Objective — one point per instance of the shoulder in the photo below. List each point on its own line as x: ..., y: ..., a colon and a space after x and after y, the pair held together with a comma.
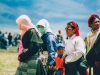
x: 50, y: 35
x: 31, y: 30
x: 88, y: 34
x: 78, y: 39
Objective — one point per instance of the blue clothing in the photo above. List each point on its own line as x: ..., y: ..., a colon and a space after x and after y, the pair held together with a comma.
x: 50, y: 42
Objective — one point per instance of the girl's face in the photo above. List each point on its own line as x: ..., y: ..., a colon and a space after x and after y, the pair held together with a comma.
x: 60, y: 50
x: 96, y: 24
x: 69, y: 30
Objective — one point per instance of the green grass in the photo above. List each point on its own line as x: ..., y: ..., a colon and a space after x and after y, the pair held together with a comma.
x: 10, y: 50
x: 8, y: 61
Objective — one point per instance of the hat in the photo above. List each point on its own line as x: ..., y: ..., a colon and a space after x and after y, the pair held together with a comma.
x: 76, y: 27
x: 60, y: 45
x: 93, y: 15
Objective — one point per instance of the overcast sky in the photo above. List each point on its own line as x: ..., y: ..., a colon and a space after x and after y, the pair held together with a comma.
x: 57, y: 12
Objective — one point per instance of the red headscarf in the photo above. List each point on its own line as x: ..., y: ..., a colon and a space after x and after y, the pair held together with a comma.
x: 93, y: 15
x: 76, y: 27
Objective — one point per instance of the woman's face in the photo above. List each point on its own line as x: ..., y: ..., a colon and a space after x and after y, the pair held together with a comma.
x: 69, y: 30
x: 96, y: 24
x: 41, y: 29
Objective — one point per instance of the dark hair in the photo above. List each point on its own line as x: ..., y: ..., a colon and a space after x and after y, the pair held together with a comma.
x: 72, y: 25
x: 93, y: 18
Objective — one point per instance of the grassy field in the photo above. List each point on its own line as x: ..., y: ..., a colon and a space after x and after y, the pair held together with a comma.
x: 8, y: 61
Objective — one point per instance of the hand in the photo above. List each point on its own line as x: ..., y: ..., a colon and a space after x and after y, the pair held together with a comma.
x: 50, y: 67
x: 64, y: 57
x: 18, y: 57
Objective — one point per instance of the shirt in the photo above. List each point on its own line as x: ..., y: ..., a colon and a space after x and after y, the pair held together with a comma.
x: 75, y: 48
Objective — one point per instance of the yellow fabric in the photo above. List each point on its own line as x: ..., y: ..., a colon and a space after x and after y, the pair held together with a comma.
x: 91, y: 38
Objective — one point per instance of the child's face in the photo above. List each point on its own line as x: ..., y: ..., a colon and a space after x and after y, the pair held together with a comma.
x: 60, y: 50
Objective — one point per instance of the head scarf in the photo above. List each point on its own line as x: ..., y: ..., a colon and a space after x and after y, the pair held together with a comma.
x: 45, y: 24
x: 93, y: 15
x: 24, y: 23
x: 76, y: 27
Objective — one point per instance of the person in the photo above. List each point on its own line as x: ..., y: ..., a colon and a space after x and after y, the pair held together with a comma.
x: 31, y: 43
x: 50, y: 41
x: 10, y: 39
x: 93, y: 41
x: 75, y: 63
x: 59, y: 67
x: 59, y: 36
x: 6, y: 35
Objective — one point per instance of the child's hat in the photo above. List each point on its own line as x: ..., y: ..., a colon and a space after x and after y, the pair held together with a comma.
x: 60, y: 45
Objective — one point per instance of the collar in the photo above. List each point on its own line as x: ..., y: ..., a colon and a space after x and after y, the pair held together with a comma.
x: 95, y: 31
x: 72, y: 36
x: 60, y: 56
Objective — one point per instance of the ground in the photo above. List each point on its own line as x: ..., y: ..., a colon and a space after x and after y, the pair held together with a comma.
x: 8, y: 61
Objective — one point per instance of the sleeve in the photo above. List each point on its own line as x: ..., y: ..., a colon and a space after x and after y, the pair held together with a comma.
x: 78, y: 53
x: 51, y: 44
x: 35, y: 44
x: 20, y: 48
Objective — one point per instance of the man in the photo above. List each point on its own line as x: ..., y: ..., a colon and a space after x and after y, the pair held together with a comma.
x: 93, y: 40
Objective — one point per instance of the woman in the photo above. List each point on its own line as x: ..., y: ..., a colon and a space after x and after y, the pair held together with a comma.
x: 93, y: 41
x: 74, y: 52
x: 31, y: 43
x: 50, y: 41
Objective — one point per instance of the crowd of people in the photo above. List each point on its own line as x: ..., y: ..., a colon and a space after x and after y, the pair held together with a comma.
x: 7, y: 39
x: 65, y: 56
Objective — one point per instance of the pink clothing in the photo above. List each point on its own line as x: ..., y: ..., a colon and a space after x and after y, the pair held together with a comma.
x: 20, y: 48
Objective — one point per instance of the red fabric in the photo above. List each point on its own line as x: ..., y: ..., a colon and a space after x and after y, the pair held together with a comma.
x: 87, y: 73
x: 90, y: 18
x: 75, y: 25
x: 59, y: 62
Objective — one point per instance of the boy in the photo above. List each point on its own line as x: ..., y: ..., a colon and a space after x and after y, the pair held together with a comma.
x: 59, y: 68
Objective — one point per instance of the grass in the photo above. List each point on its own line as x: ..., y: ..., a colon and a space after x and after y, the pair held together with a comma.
x: 8, y: 61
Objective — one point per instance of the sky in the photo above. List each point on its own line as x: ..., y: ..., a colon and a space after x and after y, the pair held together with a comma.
x: 57, y: 12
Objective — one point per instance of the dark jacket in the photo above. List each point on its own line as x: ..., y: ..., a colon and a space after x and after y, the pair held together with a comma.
x: 32, y: 42
x: 94, y: 53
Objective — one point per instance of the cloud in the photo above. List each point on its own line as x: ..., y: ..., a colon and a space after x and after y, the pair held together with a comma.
x: 58, y: 13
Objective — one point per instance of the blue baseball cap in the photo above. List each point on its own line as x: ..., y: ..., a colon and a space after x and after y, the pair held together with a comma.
x: 60, y: 45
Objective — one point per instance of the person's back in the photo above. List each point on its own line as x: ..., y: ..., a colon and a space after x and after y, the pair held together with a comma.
x: 49, y: 40
x: 31, y: 44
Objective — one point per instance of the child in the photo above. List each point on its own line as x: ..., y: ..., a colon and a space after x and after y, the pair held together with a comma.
x: 59, y: 68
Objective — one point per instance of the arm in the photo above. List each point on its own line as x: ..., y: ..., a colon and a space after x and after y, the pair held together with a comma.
x: 51, y: 44
x: 35, y: 43
x: 79, y: 51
